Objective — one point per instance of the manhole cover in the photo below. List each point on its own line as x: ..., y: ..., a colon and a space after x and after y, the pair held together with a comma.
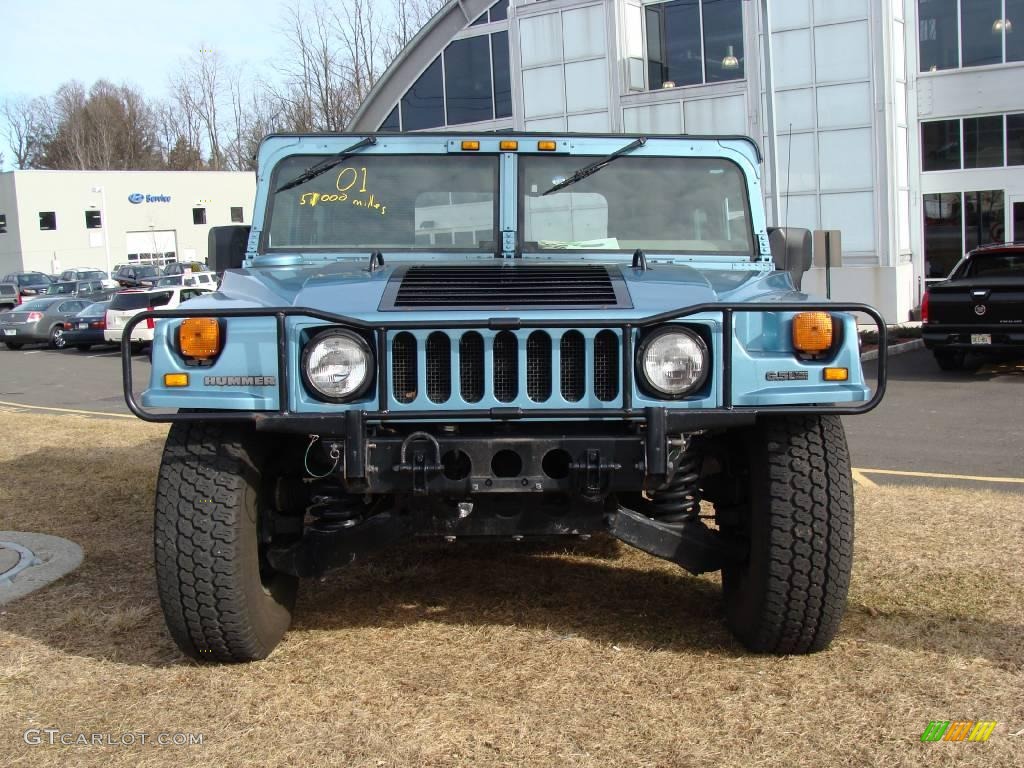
x: 29, y: 561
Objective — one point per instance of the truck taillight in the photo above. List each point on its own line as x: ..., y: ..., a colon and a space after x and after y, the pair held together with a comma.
x: 149, y: 320
x: 34, y: 316
x: 924, y: 308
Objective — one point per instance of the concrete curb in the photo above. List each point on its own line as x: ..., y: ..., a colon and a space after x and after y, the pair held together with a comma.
x: 895, y: 349
x: 40, y: 560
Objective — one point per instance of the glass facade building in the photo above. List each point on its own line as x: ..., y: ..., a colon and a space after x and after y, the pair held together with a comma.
x: 898, y: 122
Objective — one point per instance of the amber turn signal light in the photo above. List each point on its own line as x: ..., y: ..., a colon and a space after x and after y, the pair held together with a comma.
x: 547, y: 146
x: 812, y: 332
x: 175, y: 379
x: 471, y: 146
x: 836, y: 374
x: 509, y: 146
x: 199, y: 337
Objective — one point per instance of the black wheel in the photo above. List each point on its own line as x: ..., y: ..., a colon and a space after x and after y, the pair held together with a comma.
x: 13, y: 345
x: 950, y: 360
x: 83, y: 347
x: 57, y: 340
x: 789, y: 595
x: 221, y: 600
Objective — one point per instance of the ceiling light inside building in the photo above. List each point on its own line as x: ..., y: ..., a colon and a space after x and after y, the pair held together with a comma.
x: 730, y: 61
x: 669, y: 84
x: 999, y: 25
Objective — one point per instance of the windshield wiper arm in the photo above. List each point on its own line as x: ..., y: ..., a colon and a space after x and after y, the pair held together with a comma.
x: 590, y: 170
x: 326, y: 164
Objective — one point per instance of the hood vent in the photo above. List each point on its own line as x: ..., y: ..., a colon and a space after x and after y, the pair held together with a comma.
x: 504, y: 286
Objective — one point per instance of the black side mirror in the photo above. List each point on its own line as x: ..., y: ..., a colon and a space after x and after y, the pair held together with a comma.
x: 227, y: 247
x: 792, y: 251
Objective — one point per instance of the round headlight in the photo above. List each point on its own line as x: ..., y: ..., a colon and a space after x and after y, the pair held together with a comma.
x: 337, y: 365
x: 674, y: 362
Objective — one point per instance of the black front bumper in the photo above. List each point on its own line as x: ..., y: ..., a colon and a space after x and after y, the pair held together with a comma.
x: 958, y: 337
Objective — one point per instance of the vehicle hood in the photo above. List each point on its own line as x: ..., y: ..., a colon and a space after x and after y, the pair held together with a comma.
x: 353, y: 290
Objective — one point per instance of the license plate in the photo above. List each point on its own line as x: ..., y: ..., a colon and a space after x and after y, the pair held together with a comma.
x: 10, y: 332
x: 981, y: 338
x: 83, y: 326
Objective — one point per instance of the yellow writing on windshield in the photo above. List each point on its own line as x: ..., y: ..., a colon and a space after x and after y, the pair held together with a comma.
x: 347, y: 179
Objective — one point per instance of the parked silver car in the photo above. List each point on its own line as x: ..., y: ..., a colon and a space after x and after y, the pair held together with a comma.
x: 39, y: 320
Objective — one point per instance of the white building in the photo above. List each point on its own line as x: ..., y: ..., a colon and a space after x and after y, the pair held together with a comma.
x: 898, y: 122
x: 54, y: 220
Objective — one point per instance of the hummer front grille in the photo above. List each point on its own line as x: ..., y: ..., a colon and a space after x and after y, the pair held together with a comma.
x: 504, y: 368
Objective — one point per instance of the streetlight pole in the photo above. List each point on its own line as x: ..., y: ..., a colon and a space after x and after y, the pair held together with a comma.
x: 769, y: 88
x: 105, y: 223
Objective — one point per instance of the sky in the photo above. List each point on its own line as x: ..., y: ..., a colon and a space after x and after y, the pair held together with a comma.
x: 44, y: 43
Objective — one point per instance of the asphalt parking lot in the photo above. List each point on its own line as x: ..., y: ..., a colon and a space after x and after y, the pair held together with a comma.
x: 931, y: 422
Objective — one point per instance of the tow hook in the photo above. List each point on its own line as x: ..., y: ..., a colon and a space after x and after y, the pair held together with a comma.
x: 593, y: 473
x: 418, y: 467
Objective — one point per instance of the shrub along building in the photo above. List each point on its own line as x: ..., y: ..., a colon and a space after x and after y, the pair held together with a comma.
x: 898, y: 122
x: 54, y: 220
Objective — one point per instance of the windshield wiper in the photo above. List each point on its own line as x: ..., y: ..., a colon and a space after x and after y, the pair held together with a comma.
x: 590, y: 170
x: 326, y: 164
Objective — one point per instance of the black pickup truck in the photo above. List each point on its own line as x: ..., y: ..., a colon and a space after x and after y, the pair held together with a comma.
x: 979, y: 308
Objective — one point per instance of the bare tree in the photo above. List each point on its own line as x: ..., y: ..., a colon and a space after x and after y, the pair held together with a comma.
x: 23, y: 128
x: 197, y: 89
x: 255, y: 113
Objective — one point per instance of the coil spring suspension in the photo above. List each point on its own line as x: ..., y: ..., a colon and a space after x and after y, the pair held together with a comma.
x: 678, y: 502
x: 332, y: 508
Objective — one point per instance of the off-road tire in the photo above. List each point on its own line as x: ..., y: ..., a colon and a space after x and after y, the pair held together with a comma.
x: 789, y: 595
x: 950, y: 360
x: 217, y: 604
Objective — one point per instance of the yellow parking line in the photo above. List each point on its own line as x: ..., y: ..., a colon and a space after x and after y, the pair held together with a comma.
x: 66, y: 410
x: 939, y: 475
x: 861, y: 479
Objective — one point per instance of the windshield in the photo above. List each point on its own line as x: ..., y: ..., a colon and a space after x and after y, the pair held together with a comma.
x: 128, y: 301
x: 994, y: 265
x: 94, y: 310
x: 669, y: 204
x: 37, y: 305
x: 387, y: 202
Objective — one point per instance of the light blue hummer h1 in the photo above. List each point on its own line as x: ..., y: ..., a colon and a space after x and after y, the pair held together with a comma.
x: 504, y: 336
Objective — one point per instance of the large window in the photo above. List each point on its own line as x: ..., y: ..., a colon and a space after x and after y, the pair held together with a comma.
x: 1015, y: 139
x: 666, y: 204
x: 395, y: 202
x: 690, y: 42
x: 968, y: 33
x: 972, y: 142
x: 958, y: 222
x: 423, y: 104
x: 467, y: 81
x: 940, y: 145
x: 983, y: 142
x: 470, y: 82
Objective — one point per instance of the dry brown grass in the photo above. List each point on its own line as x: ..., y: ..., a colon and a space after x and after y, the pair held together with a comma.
x: 498, y: 655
